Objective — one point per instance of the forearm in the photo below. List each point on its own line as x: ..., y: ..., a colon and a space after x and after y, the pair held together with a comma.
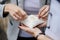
x: 44, y: 37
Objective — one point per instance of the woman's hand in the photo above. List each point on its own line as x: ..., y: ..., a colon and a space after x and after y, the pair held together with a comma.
x: 44, y: 24
x: 34, y: 31
x: 43, y: 13
x: 16, y: 12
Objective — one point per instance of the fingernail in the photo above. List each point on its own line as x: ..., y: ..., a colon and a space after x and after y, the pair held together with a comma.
x: 39, y: 16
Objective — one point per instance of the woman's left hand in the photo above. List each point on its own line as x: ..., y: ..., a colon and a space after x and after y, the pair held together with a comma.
x: 33, y: 31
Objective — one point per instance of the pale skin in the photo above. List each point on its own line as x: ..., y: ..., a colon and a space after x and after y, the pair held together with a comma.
x: 43, y: 13
x: 34, y: 32
x: 19, y: 14
x: 16, y: 12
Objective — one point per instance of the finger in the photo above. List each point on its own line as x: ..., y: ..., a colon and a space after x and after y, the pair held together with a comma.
x: 23, y: 25
x: 17, y: 16
x: 18, y: 12
x: 14, y: 17
x: 45, y: 10
x: 26, y: 29
x: 45, y: 19
x: 40, y: 11
x: 45, y: 15
x: 23, y: 13
x: 23, y: 28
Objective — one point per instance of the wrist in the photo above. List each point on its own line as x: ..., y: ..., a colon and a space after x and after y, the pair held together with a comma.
x: 38, y: 35
x: 41, y: 36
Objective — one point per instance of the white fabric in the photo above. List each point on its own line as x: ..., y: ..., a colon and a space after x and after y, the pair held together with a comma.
x: 12, y: 29
x: 54, y: 31
x: 1, y: 10
x: 32, y: 21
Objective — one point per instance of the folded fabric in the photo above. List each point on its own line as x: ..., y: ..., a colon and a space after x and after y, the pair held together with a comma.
x: 32, y: 21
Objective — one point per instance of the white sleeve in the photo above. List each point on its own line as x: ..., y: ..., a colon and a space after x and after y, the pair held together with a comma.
x: 1, y: 10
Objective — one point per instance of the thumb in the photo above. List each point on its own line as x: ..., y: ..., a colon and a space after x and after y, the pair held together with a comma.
x: 24, y: 28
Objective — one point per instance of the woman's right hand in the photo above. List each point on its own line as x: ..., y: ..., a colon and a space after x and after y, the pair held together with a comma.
x: 43, y: 12
x: 16, y: 12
